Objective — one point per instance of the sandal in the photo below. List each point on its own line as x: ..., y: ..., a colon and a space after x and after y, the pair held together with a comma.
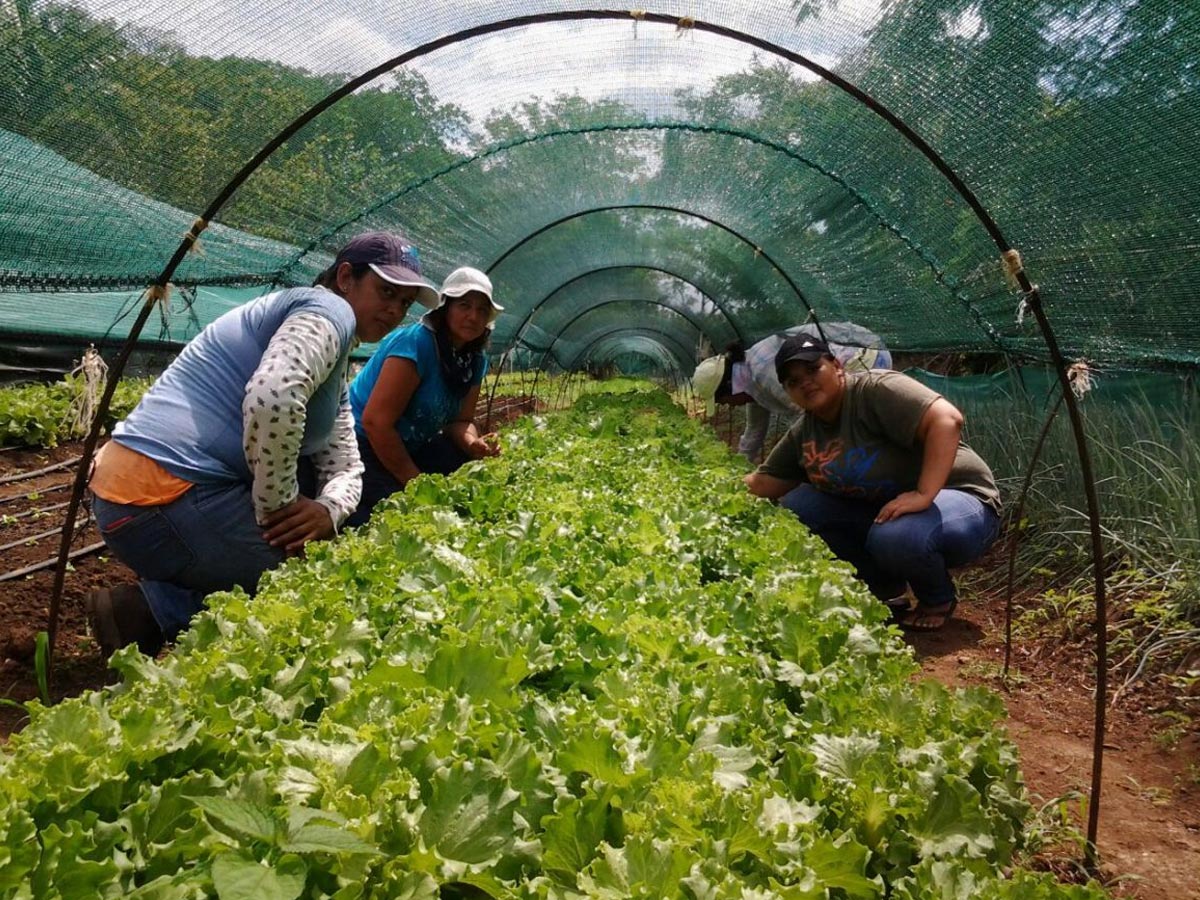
x: 926, y: 619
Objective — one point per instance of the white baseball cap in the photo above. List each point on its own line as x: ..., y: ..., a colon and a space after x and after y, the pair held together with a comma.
x: 465, y: 280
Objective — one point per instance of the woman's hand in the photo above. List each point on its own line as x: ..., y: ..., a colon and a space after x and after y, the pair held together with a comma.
x: 485, y: 446
x: 291, y: 527
x: 902, y: 505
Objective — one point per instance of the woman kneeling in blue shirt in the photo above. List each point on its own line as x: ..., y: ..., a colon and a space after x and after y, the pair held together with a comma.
x: 414, y: 401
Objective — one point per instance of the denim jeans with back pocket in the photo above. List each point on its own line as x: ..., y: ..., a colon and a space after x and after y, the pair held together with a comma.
x: 205, y: 541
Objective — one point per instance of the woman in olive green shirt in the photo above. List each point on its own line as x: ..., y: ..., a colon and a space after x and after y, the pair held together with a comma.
x: 876, y: 468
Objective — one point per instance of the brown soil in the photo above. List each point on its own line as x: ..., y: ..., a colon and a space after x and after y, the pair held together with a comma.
x: 1149, y: 828
x: 1149, y: 837
x: 25, y: 601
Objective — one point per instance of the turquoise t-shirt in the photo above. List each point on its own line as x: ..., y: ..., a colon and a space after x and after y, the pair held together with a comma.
x: 433, y: 405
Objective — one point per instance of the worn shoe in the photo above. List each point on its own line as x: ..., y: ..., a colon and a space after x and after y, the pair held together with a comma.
x: 898, y: 608
x: 119, y: 616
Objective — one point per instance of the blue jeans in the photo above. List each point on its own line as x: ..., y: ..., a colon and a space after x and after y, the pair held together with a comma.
x: 916, y: 549
x: 439, y: 455
x: 205, y: 541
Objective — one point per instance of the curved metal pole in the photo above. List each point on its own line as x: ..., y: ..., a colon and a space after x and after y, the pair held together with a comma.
x: 758, y: 251
x: 606, y: 336
x: 591, y: 310
x: 636, y: 329
x: 542, y: 361
x: 934, y: 265
x: 525, y: 322
x: 1034, y: 301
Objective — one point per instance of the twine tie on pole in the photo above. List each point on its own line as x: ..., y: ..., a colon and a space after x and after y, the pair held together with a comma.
x: 86, y: 397
x: 192, y: 236
x: 1082, y: 378
x: 1013, y: 267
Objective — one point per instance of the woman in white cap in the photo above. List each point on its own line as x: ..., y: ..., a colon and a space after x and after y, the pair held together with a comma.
x: 414, y: 401
x: 243, y: 450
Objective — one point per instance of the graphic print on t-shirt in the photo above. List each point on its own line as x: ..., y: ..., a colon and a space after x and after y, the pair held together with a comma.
x: 831, y: 467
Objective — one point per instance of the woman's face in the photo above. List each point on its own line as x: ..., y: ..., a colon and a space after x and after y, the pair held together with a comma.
x: 379, y: 306
x: 467, y: 317
x: 816, y: 387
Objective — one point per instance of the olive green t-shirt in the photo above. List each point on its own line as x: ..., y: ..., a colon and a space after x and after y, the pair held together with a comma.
x: 871, y: 452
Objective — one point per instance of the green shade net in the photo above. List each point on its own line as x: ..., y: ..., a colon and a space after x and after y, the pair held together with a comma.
x: 690, y: 187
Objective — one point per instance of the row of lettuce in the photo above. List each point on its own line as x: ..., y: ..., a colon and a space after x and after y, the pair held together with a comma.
x: 45, y: 414
x: 593, y: 667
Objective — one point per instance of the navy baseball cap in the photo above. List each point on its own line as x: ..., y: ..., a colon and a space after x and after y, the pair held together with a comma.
x: 393, y: 258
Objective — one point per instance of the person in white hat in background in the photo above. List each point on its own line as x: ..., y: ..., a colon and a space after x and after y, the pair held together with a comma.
x: 414, y: 401
x: 747, y: 378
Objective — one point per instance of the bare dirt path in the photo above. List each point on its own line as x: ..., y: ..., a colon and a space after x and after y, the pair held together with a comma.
x: 1149, y: 836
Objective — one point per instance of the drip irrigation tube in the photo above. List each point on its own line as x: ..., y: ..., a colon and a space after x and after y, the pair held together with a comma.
x: 46, y: 490
x: 33, y: 512
x: 31, y: 539
x: 47, y: 563
x: 25, y: 476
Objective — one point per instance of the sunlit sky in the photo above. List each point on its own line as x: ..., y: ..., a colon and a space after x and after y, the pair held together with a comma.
x: 641, y: 64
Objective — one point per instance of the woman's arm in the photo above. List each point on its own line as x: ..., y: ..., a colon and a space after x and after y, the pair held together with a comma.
x: 299, y: 357
x: 763, y: 485
x: 938, y: 434
x: 464, y: 433
x: 398, y: 381
x: 339, y: 474
x: 339, y: 468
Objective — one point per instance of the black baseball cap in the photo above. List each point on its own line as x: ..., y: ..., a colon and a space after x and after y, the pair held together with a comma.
x: 800, y: 348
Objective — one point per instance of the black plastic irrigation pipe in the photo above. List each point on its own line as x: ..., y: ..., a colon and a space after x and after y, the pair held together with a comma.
x: 158, y: 291
x: 45, y: 470
x: 9, y: 498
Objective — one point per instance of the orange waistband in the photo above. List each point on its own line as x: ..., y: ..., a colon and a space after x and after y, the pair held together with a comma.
x: 122, y: 475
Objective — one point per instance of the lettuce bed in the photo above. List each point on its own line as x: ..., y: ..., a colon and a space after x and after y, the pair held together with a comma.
x: 593, y: 667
